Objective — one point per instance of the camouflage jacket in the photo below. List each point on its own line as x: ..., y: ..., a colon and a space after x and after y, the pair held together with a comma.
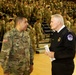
x: 16, y: 52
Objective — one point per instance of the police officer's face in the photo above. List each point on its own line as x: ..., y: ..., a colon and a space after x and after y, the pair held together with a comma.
x: 54, y: 23
x: 24, y: 24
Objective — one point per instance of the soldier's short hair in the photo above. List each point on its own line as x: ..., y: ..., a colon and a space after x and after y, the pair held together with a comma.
x: 18, y: 19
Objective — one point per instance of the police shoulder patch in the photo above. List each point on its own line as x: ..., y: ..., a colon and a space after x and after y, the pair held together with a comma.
x: 70, y: 37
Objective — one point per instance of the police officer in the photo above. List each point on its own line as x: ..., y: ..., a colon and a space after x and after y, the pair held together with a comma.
x: 16, y: 56
x: 62, y: 48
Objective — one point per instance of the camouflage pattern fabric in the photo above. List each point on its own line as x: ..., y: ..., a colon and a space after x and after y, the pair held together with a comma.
x: 16, y: 53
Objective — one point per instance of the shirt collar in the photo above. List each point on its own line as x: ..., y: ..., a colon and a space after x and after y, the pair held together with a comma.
x: 61, y: 28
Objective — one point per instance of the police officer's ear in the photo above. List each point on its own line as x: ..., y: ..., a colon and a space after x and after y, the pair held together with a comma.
x: 59, y: 22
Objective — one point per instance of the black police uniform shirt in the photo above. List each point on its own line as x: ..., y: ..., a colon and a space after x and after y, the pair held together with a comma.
x: 63, y: 44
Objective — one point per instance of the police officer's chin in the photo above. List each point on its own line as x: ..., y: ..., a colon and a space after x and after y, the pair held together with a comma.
x: 52, y: 29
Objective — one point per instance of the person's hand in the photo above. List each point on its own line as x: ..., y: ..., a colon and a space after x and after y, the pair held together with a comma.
x: 50, y: 54
x: 31, y: 68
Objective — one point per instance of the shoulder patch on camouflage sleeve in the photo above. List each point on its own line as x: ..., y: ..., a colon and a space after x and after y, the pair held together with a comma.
x: 5, y: 40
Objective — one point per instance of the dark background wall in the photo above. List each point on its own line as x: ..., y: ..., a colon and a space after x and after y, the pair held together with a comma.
x: 72, y: 0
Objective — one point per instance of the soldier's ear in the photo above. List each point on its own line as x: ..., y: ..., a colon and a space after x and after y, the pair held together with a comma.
x: 18, y: 22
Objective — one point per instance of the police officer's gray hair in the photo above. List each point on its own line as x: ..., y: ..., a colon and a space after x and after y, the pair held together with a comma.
x: 59, y: 17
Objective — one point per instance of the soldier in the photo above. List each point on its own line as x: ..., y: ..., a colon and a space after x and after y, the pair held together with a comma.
x: 38, y: 30
x: 7, y: 26
x: 68, y: 24
x: 10, y: 24
x: 1, y: 33
x: 39, y: 14
x: 74, y: 30
x: 32, y: 36
x: 47, y: 14
x: 27, y: 10
x: 16, y: 56
x: 3, y: 21
x: 74, y: 27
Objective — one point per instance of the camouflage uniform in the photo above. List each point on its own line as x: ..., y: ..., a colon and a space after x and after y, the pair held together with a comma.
x: 68, y: 24
x: 16, y: 53
x: 38, y: 30
x: 32, y: 33
x: 47, y: 14
x: 74, y: 28
x: 10, y: 24
x: 27, y: 11
x: 7, y: 27
x: 1, y: 33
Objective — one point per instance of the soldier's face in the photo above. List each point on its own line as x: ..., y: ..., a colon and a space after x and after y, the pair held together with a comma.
x: 24, y: 24
x: 54, y: 23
